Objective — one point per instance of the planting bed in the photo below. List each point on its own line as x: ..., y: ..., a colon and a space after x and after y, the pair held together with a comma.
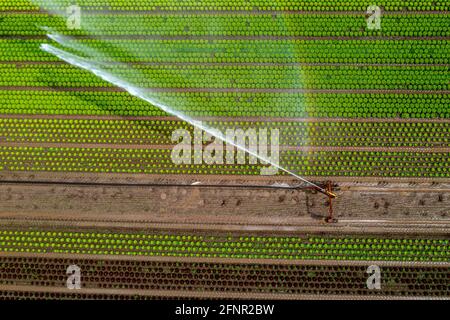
x: 355, y: 247
x: 235, y: 279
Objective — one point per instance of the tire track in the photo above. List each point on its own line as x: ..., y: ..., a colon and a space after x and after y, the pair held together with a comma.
x: 240, y: 225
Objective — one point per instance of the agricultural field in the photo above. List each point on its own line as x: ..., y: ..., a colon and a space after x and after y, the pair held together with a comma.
x: 91, y: 114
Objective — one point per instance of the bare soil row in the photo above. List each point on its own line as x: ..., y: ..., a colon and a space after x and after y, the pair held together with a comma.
x: 391, y: 208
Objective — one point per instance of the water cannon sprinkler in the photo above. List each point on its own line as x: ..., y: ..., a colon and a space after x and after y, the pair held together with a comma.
x: 328, y: 193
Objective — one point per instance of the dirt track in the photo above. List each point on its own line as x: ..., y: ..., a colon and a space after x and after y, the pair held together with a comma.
x: 371, y: 206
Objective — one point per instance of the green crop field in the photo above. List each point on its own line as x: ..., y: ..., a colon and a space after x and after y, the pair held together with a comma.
x: 227, y: 246
x: 351, y: 104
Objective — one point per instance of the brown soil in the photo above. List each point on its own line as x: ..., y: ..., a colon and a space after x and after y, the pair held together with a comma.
x: 392, y: 206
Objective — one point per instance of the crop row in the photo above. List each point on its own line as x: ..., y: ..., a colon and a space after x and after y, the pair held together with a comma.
x: 159, y: 132
x: 267, y: 51
x: 355, y: 134
x: 201, y: 278
x: 220, y: 5
x: 236, y: 77
x: 342, y: 248
x: 229, y: 104
x: 157, y: 161
x: 220, y: 25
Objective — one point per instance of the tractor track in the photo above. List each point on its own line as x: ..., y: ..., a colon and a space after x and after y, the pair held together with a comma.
x: 235, y: 223
x: 242, y: 226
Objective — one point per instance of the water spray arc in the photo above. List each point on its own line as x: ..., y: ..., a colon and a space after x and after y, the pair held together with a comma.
x: 100, y: 59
